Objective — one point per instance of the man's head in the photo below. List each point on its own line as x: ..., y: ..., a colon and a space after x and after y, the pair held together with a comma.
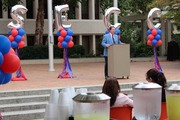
x: 112, y: 29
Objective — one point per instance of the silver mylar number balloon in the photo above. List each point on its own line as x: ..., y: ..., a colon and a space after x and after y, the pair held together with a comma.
x: 107, y: 15
x: 155, y: 12
x: 15, y: 16
x: 59, y: 17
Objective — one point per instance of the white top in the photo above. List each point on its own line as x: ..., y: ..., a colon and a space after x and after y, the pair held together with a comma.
x: 123, y: 100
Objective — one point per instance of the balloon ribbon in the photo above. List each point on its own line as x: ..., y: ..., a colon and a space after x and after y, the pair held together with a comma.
x: 67, y: 71
x: 156, y: 61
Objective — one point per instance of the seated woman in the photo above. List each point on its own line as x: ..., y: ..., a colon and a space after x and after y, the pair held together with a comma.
x: 153, y: 75
x: 111, y: 88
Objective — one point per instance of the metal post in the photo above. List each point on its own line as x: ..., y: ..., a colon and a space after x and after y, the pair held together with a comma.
x: 115, y: 15
x: 50, y: 36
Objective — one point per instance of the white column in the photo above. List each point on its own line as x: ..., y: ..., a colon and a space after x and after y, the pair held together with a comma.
x: 78, y: 11
x: 80, y: 39
x: 91, y: 9
x: 94, y: 44
x: 115, y: 15
x: 35, y: 4
x: 24, y: 4
x: 162, y: 48
x: 5, y: 14
x: 50, y: 35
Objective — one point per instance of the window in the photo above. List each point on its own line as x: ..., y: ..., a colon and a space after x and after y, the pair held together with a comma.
x: 97, y: 9
x: 85, y: 9
x: 29, y: 6
x: 1, y: 9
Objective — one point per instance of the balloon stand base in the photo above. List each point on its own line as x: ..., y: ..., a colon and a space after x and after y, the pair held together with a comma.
x: 18, y: 79
x: 65, y: 76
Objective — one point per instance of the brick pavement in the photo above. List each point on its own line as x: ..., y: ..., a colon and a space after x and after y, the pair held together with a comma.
x: 85, y: 74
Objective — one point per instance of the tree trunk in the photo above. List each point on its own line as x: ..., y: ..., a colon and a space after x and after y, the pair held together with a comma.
x: 39, y: 23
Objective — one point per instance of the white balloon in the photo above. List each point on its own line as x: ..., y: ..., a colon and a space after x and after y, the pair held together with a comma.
x: 155, y: 12
x: 15, y: 16
x: 107, y: 15
x: 60, y: 18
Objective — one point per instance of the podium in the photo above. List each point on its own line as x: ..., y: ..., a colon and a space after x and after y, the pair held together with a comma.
x: 119, y: 60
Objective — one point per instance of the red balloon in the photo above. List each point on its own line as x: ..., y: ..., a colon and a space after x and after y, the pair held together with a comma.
x: 70, y: 44
x: 60, y: 39
x: 59, y: 45
x: 21, y: 44
x: 11, y: 38
x: 149, y: 43
x: 14, y: 32
x: 63, y: 33
x: 11, y: 63
x: 11, y: 51
x: 150, y: 37
x: 159, y: 43
x: 154, y: 32
x: 22, y: 38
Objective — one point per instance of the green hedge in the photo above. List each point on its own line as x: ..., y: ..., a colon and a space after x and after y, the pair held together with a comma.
x: 41, y: 52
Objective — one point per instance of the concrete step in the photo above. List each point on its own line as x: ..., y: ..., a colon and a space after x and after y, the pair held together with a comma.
x: 23, y: 106
x: 24, y: 92
x: 24, y: 114
x: 24, y: 99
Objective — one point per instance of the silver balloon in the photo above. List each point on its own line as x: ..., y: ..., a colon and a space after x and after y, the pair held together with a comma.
x: 107, y: 15
x: 60, y: 18
x: 15, y: 16
x: 155, y: 12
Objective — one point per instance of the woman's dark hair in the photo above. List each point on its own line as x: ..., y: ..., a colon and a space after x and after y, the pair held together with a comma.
x: 157, y: 77
x: 111, y: 88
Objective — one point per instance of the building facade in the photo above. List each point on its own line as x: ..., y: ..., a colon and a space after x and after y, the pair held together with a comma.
x: 87, y: 24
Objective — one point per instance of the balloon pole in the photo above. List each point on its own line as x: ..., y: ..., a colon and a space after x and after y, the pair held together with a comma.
x: 65, y: 39
x: 154, y: 35
x: 16, y: 36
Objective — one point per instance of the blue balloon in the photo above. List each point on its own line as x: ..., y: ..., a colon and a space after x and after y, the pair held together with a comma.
x: 69, y: 32
x: 67, y: 38
x: 118, y: 32
x: 21, y: 32
x: 18, y: 38
x: 157, y: 37
x: 107, y: 31
x: 64, y: 44
x: 14, y: 44
x: 58, y: 33
x: 149, y: 32
x: 5, y: 44
x: 154, y: 42
x: 4, y: 77
x: 1, y: 58
x: 159, y: 31
x: 9, y: 32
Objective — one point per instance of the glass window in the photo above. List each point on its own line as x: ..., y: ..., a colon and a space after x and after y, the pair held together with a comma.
x: 30, y: 40
x: 1, y: 9
x: 85, y: 9
x: 97, y: 9
x: 29, y: 6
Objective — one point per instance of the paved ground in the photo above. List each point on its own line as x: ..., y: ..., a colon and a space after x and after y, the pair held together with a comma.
x: 85, y: 74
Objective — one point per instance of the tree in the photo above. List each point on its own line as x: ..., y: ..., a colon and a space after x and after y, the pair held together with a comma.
x: 172, y: 7
x: 9, y: 3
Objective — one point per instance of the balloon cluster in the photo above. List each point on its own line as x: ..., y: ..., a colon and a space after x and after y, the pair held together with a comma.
x: 9, y: 61
x: 16, y: 37
x: 65, y: 38
x: 154, y: 37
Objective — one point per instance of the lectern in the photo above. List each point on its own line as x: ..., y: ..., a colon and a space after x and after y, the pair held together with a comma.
x: 119, y: 60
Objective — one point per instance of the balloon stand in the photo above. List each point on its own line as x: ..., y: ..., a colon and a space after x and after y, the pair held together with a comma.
x: 67, y: 71
x: 19, y: 73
